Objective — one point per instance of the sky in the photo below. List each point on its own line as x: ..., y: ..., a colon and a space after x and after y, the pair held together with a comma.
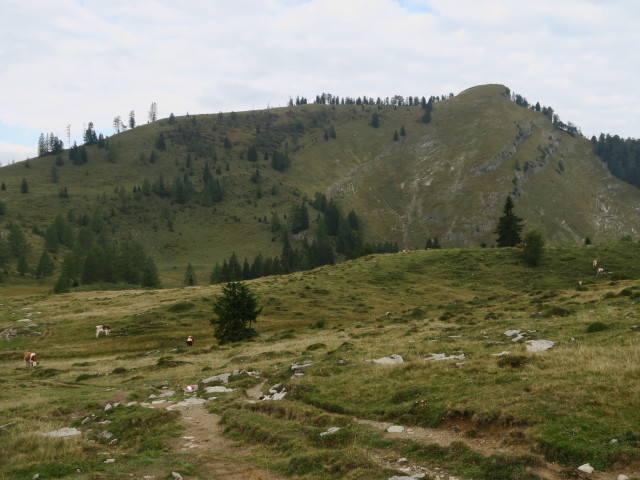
x: 65, y: 63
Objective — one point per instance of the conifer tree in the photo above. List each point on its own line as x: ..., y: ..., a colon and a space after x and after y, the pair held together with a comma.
x: 236, y: 310
x: 190, y: 276
x: 509, y: 226
x: 45, y: 266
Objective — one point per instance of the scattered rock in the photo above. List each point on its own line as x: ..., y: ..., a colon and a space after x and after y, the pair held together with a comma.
x: 168, y: 393
x: 501, y: 354
x: 330, y: 431
x: 586, y: 468
x: 105, y: 434
x: 442, y: 356
x: 395, y: 429
x: 417, y: 476
x: 300, y: 366
x: 36, y: 476
x: 108, y: 407
x: 274, y: 394
x: 622, y: 477
x: 224, y: 377
x: 63, y: 432
x: 539, y: 345
x: 109, y: 460
x: 176, y: 475
x: 218, y: 389
x: 613, y: 441
x: 187, y: 403
x: 516, y: 334
x: 391, y: 360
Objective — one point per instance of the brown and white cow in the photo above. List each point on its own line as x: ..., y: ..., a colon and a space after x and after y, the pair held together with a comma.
x: 102, y: 329
x: 190, y: 341
x: 30, y: 359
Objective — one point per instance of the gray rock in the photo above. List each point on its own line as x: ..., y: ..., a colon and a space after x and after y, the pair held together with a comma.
x: 218, y: 389
x: 330, y: 431
x: 300, y: 366
x: 586, y: 468
x: 176, y: 475
x: 390, y: 360
x: 443, y: 356
x: 539, y: 345
x: 109, y: 460
x: 622, y: 477
x: 63, y: 432
x: 105, y: 434
x: 395, y: 429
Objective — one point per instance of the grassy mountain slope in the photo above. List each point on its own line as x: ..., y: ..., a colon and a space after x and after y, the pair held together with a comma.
x: 446, y: 179
x: 510, y: 414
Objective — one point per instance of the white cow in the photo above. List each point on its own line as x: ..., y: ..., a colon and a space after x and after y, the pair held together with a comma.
x: 102, y: 329
x: 30, y: 359
x: 600, y: 271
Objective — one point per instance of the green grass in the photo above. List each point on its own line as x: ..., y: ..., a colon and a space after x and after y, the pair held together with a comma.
x: 566, y: 404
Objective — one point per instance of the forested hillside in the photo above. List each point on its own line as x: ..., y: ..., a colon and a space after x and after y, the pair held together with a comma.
x: 291, y: 188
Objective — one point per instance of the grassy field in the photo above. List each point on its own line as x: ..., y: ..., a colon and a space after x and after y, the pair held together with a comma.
x: 543, y: 412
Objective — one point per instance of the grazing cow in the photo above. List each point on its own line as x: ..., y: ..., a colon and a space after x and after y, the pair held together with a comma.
x: 600, y: 271
x: 102, y: 329
x: 30, y: 359
x: 189, y: 341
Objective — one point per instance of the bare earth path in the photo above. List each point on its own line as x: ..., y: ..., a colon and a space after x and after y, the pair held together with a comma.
x: 488, y: 445
x: 219, y: 458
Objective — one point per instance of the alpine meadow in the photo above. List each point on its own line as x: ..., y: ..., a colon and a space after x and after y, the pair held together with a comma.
x: 434, y: 286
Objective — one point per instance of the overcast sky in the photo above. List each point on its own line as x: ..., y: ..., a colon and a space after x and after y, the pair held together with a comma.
x: 70, y: 62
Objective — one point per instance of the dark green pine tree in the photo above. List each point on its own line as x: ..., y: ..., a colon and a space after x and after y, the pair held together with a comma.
x: 236, y: 310
x: 509, y: 226
x: 375, y: 120
x: 190, y: 276
x: 288, y: 257
x: 45, y: 266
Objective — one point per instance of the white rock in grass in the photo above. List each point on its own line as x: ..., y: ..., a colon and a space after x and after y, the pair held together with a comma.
x: 176, y: 475
x: 539, y: 345
x: 218, y: 389
x: 391, y: 360
x: 63, y: 432
x: 417, y: 476
x: 586, y: 468
x: 443, y: 356
x: 622, y: 477
x: 109, y: 460
x: 330, y: 431
x: 395, y: 429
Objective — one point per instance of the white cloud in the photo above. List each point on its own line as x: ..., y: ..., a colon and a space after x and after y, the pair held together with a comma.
x: 71, y: 61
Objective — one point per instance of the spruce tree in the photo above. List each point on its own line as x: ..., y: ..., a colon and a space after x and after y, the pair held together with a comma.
x: 509, y: 226
x: 190, y: 276
x: 236, y: 309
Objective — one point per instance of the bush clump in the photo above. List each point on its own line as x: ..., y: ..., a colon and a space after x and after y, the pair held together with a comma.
x: 597, y: 327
